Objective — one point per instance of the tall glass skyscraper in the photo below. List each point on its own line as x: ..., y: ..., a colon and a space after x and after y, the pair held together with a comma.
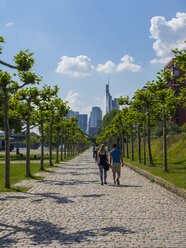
x: 110, y: 104
x: 95, y: 120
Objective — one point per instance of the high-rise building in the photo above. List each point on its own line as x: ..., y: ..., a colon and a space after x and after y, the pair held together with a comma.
x: 110, y: 104
x: 95, y: 120
x: 115, y: 104
x: 108, y: 99
x: 72, y: 113
x: 82, y: 119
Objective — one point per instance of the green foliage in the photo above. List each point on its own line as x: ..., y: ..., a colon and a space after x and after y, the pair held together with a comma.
x: 1, y: 41
x: 5, y: 79
x: 108, y: 118
x: 24, y: 60
x: 29, y: 77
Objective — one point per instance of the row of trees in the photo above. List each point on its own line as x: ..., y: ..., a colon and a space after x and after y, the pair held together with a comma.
x: 23, y: 106
x: 155, y: 103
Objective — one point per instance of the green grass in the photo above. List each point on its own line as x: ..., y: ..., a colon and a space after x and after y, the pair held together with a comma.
x: 17, y: 174
x: 176, y: 174
x: 18, y: 170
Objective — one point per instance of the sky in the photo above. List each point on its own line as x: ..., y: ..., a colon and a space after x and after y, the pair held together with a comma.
x: 79, y: 45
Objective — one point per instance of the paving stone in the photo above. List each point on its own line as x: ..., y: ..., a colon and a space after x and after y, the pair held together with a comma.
x: 71, y: 209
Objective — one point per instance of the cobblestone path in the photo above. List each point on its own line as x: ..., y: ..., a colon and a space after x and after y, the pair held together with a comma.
x: 70, y: 208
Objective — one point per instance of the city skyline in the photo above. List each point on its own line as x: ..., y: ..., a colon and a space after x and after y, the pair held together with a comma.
x: 78, y: 44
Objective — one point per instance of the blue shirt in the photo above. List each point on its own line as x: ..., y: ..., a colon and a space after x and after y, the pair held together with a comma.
x: 116, y: 154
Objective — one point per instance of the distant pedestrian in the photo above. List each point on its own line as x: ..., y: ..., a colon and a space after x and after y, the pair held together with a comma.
x: 95, y: 152
x: 102, y: 158
x: 17, y: 151
x: 116, y: 161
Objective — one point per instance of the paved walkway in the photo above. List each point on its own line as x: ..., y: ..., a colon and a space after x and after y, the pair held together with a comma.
x: 71, y: 209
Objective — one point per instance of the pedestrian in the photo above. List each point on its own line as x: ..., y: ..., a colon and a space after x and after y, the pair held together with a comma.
x: 102, y: 158
x: 116, y: 161
x: 95, y: 152
x: 17, y: 151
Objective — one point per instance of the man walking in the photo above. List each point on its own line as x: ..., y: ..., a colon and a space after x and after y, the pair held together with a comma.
x: 116, y: 161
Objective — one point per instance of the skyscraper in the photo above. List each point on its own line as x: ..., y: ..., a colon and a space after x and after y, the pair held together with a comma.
x: 110, y: 104
x: 82, y: 119
x: 95, y: 120
x: 82, y: 122
x: 108, y: 99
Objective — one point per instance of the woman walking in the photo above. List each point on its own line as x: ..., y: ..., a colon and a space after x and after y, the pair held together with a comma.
x: 102, y: 158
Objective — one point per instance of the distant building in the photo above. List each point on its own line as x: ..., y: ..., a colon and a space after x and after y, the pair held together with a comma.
x: 110, y: 104
x: 82, y: 122
x: 72, y: 113
x: 115, y: 104
x: 82, y: 119
x: 180, y: 116
x: 108, y: 99
x: 95, y: 120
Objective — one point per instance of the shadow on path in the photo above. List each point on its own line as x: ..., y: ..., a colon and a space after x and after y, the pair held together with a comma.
x: 43, y: 232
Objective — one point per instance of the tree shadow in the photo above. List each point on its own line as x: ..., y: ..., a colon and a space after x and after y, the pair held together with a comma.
x: 125, y: 186
x: 93, y: 196
x: 54, y: 196
x: 44, y: 232
x: 122, y: 230
x: 39, y: 230
x: 131, y: 186
x: 16, y: 197
x: 180, y: 162
x: 75, y: 182
x: 6, y: 239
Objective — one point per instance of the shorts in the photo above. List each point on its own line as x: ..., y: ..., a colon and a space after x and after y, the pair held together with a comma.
x: 116, y: 168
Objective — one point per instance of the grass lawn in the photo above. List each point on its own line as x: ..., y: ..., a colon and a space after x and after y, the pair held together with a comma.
x: 18, y: 170
x: 176, y: 174
x: 17, y: 174
x: 176, y: 153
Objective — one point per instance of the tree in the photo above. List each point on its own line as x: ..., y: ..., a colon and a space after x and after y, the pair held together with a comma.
x: 23, y: 63
x: 25, y: 105
x: 46, y: 94
x: 165, y: 104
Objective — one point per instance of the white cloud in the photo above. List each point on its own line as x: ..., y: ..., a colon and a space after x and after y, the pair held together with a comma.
x: 79, y: 66
x: 9, y: 24
x: 168, y: 35
x: 108, y: 67
x: 128, y: 65
x: 74, y: 101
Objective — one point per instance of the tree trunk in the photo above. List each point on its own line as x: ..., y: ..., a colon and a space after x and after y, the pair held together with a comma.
x: 139, y: 144
x: 50, y: 142
x: 149, y: 140
x: 122, y: 145
x: 165, y: 168
x: 144, y: 145
x: 42, y: 147
x: 65, y: 146
x: 127, y: 146
x: 57, y: 146
x: 7, y: 140
x: 28, y: 174
x: 61, y: 150
x: 132, y: 143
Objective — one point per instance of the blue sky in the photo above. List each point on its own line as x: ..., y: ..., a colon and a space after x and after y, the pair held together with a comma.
x: 78, y: 44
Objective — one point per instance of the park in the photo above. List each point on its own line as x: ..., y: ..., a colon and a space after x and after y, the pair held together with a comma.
x: 51, y: 196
